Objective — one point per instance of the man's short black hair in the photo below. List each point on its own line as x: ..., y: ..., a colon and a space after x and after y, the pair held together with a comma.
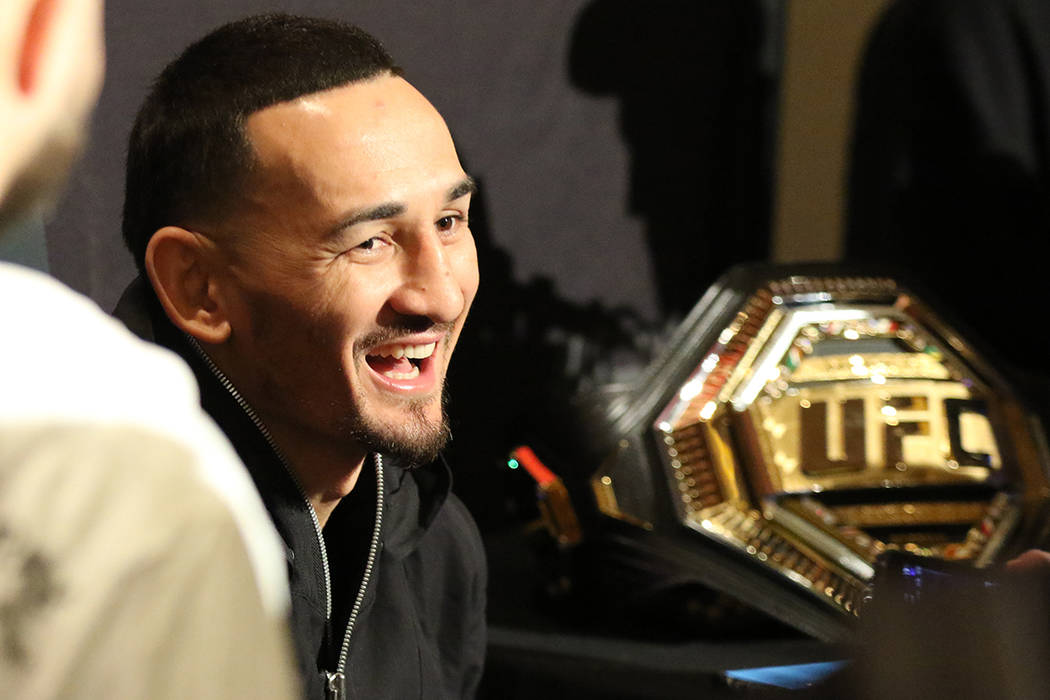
x: 188, y: 154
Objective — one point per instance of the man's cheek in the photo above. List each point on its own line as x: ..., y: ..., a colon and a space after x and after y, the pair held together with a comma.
x: 468, y: 279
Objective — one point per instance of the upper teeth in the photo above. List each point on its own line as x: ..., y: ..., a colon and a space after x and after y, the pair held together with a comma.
x: 412, y: 352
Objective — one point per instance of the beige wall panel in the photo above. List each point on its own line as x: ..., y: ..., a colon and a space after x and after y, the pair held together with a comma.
x: 824, y: 42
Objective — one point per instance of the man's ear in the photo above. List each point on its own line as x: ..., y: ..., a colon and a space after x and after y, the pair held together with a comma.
x: 31, y: 55
x: 182, y: 268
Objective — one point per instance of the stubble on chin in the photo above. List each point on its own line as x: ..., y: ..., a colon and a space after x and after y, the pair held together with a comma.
x: 416, y: 441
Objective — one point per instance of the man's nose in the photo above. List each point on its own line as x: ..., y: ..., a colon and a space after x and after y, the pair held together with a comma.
x: 429, y: 286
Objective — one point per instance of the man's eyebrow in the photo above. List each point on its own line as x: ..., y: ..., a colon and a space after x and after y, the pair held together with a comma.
x: 376, y: 213
x: 462, y: 188
x: 390, y: 209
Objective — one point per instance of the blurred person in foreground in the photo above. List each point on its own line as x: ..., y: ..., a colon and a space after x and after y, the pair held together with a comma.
x: 136, y: 560
x: 299, y: 215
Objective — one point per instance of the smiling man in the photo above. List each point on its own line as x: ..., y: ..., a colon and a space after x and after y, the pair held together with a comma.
x: 300, y: 214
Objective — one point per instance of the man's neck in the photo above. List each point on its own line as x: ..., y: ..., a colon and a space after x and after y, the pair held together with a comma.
x: 327, y: 469
x: 326, y: 472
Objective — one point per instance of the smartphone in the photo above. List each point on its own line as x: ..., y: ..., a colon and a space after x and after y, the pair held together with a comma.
x: 792, y: 677
x: 912, y: 579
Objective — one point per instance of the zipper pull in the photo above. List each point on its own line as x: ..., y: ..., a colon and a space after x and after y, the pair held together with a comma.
x: 335, y: 686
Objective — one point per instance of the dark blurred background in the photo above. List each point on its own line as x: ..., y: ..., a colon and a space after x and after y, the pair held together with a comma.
x: 628, y: 154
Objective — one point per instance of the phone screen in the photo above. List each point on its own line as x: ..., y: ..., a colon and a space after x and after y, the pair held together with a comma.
x: 793, y: 677
x: 912, y: 579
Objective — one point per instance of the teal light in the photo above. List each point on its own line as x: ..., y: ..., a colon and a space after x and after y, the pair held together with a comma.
x: 512, y: 463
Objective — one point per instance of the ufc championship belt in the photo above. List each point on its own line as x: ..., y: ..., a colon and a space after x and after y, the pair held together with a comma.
x: 798, y: 425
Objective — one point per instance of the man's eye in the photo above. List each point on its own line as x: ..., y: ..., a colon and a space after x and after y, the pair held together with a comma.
x: 447, y: 223
x: 370, y: 249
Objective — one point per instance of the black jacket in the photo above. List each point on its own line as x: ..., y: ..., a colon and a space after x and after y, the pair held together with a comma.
x: 420, y: 631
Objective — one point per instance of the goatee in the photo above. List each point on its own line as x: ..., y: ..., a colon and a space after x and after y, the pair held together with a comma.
x: 415, y: 442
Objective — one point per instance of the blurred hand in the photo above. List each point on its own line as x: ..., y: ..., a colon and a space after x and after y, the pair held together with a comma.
x: 1034, y: 561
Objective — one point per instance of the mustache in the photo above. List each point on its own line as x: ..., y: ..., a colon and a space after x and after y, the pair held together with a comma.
x: 395, y: 331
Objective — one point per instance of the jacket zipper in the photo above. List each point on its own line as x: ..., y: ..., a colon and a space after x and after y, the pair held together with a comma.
x: 335, y: 683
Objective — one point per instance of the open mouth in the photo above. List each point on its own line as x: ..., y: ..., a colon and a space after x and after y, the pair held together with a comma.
x: 401, y: 362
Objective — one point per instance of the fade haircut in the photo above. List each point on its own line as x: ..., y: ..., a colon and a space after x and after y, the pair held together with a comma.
x: 188, y: 154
